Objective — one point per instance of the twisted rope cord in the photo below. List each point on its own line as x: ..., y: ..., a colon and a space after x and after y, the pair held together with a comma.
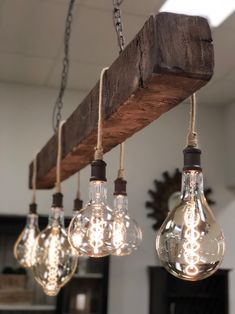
x: 192, y: 138
x: 121, y: 161
x: 59, y: 155
x: 99, y: 147
x: 78, y: 185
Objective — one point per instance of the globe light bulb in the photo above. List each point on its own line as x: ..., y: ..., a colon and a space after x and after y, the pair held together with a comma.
x: 54, y: 261
x: 127, y: 235
x: 23, y: 247
x: 190, y: 243
x: 90, y: 231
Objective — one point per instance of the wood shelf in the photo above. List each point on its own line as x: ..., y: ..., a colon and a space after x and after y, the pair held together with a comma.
x: 89, y: 276
x: 27, y: 307
x: 200, y: 296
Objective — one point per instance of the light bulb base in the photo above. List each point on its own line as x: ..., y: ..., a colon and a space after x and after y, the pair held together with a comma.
x: 78, y: 204
x: 120, y: 187
x: 33, y: 208
x: 192, y: 158
x: 57, y: 200
x: 98, y: 170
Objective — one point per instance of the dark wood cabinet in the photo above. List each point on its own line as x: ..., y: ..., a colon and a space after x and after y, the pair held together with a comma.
x: 169, y: 295
x: 92, y: 285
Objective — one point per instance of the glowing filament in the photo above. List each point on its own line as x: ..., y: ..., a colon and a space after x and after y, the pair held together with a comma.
x: 118, y: 233
x: 29, y: 244
x: 53, y: 265
x: 191, y: 244
x: 96, y: 233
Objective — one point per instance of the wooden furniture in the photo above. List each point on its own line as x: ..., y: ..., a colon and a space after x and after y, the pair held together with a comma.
x: 169, y: 59
x: 169, y: 295
x: 92, y: 280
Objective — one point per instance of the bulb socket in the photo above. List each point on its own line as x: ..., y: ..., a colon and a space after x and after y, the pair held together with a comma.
x: 120, y: 187
x: 57, y: 200
x: 98, y: 170
x: 33, y: 208
x: 78, y: 204
x: 192, y: 158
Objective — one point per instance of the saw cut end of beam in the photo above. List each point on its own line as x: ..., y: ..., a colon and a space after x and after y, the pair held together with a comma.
x: 169, y: 59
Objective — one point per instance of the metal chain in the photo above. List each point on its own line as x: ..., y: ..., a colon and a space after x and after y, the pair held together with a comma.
x: 117, y: 20
x: 56, y: 117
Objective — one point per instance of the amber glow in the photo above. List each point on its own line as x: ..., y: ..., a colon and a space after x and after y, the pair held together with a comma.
x: 191, y: 245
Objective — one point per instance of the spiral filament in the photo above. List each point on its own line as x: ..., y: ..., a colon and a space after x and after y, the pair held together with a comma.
x: 29, y: 244
x: 51, y: 287
x: 96, y: 233
x: 118, y: 233
x: 191, y: 245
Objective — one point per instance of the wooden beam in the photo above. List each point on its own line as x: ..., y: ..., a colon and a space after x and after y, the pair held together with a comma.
x: 169, y: 59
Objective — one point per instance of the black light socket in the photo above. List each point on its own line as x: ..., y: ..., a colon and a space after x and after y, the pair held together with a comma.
x: 57, y: 200
x: 78, y: 204
x: 120, y: 187
x: 33, y: 208
x: 192, y: 158
x: 98, y: 170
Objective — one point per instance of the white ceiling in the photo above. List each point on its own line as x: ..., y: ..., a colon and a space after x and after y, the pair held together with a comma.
x: 31, y: 43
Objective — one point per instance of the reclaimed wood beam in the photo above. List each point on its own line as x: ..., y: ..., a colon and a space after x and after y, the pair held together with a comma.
x: 169, y: 59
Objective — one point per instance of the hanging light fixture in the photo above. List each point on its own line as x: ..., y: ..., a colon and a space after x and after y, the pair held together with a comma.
x: 127, y: 235
x: 93, y: 224
x: 23, y: 247
x: 190, y: 243
x: 54, y: 261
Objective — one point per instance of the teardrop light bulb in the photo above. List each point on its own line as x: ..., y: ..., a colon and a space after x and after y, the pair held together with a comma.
x: 127, y: 235
x: 190, y: 243
x: 93, y: 224
x: 54, y: 261
x: 23, y: 247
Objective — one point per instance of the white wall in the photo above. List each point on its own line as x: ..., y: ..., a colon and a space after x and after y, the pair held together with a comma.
x: 227, y: 218
x: 25, y: 126
x: 229, y: 118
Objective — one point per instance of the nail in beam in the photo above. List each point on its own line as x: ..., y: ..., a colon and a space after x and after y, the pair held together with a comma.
x: 170, y: 58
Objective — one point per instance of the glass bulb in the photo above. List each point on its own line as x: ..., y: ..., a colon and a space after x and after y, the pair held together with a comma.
x: 54, y: 262
x: 190, y: 243
x: 90, y: 231
x: 77, y: 239
x: 23, y: 247
x: 127, y: 235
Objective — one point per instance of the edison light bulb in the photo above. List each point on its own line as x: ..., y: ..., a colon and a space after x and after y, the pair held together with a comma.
x: 54, y: 261
x: 23, y: 247
x: 190, y: 243
x: 127, y: 235
x: 90, y: 231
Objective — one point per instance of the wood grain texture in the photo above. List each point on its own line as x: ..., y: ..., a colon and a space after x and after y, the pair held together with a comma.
x: 170, y: 58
